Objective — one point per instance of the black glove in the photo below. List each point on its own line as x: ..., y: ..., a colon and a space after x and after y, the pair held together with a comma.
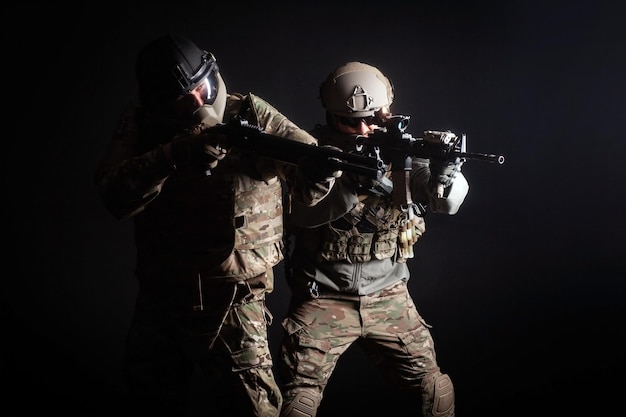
x: 197, y: 151
x: 313, y: 169
x: 381, y: 187
x: 443, y: 171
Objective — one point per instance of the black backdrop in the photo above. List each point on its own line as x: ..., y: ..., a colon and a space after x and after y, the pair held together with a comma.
x: 523, y: 287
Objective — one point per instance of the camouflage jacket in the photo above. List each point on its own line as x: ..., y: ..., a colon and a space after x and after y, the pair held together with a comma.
x: 227, y: 225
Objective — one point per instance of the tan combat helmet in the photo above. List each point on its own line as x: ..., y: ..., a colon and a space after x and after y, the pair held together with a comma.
x: 356, y: 89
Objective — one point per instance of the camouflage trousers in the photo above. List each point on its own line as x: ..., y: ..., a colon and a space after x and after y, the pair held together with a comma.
x: 200, y: 351
x: 386, y: 325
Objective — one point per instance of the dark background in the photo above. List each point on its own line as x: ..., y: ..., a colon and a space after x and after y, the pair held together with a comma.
x: 524, y: 287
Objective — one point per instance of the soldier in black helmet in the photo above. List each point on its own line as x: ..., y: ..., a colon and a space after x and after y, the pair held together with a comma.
x: 208, y: 231
x: 348, y: 272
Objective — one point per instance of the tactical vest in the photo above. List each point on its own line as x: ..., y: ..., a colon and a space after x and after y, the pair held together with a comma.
x: 227, y: 225
x: 369, y: 232
x: 374, y: 228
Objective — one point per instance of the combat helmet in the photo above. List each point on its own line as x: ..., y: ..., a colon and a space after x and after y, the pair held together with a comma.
x: 171, y: 66
x: 356, y: 89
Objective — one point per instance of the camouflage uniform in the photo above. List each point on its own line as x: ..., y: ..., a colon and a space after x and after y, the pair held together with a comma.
x: 206, y: 246
x: 349, y: 285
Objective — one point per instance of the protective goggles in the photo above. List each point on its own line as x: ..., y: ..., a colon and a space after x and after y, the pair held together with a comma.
x: 378, y: 118
x: 355, y: 122
x: 208, y: 86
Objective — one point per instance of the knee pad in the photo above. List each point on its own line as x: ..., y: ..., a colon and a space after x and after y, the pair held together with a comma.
x: 304, y: 404
x: 438, y: 395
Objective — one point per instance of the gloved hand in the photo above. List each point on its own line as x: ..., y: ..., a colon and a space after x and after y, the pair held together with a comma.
x: 197, y: 151
x: 443, y: 169
x: 368, y: 186
x: 315, y: 170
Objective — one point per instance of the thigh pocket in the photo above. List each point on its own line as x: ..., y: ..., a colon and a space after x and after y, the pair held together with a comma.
x: 419, y: 347
x: 308, y: 351
x: 300, y: 334
x: 245, y: 334
x: 252, y: 357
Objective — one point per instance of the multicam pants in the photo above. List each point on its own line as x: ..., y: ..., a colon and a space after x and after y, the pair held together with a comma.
x: 386, y: 325
x: 221, y: 332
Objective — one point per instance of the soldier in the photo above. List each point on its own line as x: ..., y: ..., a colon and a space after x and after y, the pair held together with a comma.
x: 348, y: 272
x: 208, y: 232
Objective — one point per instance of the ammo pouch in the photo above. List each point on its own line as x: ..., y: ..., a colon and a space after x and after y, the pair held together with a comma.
x: 355, y: 246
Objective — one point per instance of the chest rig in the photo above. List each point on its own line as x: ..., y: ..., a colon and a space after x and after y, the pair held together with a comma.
x: 378, y: 227
x: 372, y: 231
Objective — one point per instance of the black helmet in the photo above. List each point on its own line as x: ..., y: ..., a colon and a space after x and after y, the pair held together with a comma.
x: 173, y: 65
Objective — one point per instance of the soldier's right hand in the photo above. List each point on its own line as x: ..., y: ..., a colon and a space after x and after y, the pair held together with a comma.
x: 316, y: 170
x: 197, y: 151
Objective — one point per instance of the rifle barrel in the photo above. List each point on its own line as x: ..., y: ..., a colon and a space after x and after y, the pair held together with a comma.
x: 499, y: 159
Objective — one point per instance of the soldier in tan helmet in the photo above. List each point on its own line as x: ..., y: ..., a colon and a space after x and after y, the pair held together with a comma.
x: 208, y: 232
x: 348, y: 270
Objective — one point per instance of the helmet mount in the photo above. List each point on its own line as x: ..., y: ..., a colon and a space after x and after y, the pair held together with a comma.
x: 359, y: 100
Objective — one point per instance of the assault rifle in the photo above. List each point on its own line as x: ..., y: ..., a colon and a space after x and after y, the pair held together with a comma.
x: 395, y: 144
x: 241, y: 134
x: 390, y: 142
